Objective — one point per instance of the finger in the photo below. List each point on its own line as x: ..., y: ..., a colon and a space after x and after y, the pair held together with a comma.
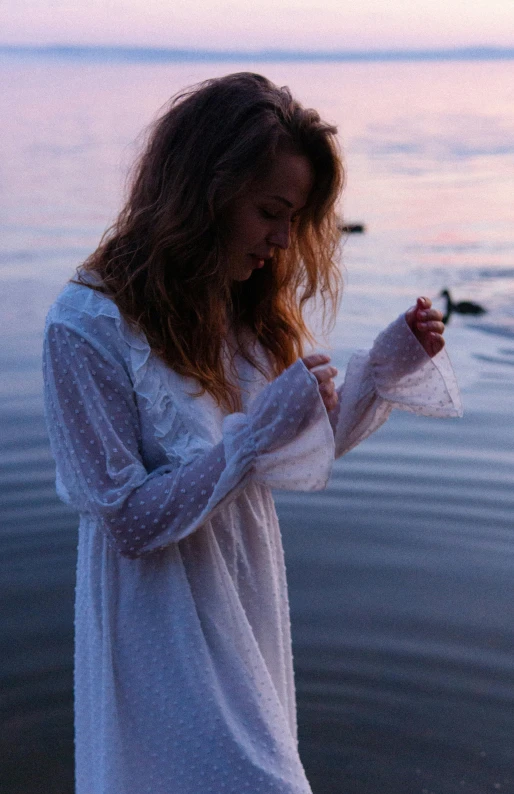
x: 325, y: 374
x: 430, y: 314
x: 423, y: 303
x: 434, y: 343
x: 330, y: 402
x: 434, y: 325
x: 330, y: 405
x: 327, y: 388
x: 315, y: 360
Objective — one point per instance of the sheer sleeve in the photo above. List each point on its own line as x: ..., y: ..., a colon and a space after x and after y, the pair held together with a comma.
x: 303, y: 459
x: 94, y: 433
x: 396, y: 373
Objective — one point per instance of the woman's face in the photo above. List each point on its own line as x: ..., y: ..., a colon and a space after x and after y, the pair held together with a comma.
x: 260, y: 221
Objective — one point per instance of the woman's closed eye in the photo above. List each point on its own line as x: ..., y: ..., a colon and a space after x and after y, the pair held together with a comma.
x: 275, y: 217
x: 269, y: 215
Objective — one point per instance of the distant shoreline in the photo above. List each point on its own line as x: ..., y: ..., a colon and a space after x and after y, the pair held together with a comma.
x: 164, y: 55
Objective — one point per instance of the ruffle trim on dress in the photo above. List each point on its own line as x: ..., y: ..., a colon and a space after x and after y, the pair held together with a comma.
x: 406, y: 376
x: 171, y: 432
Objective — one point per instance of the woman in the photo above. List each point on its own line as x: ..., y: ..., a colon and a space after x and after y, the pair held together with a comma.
x: 177, y: 396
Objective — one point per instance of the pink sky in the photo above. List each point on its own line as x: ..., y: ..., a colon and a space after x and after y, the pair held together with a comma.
x: 254, y: 24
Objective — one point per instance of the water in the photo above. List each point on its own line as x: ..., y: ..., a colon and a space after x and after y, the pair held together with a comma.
x: 401, y: 572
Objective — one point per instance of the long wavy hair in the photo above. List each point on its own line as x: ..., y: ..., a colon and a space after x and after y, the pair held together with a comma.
x: 163, y: 261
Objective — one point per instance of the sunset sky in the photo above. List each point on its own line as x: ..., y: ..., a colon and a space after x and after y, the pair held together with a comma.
x: 256, y: 24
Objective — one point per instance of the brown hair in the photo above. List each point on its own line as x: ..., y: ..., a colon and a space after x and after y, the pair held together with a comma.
x: 162, y: 262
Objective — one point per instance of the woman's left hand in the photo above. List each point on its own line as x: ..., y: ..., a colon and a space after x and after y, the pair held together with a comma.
x: 324, y: 374
x: 427, y: 325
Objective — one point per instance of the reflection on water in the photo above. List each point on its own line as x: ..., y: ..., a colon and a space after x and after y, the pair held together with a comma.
x: 401, y: 571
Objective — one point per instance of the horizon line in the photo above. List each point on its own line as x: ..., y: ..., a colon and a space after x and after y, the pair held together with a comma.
x: 163, y: 54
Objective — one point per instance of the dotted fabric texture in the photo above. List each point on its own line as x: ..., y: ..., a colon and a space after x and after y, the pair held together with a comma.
x: 183, y: 664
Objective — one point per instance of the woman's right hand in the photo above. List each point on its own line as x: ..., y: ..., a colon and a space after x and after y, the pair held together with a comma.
x: 318, y: 364
x: 288, y: 404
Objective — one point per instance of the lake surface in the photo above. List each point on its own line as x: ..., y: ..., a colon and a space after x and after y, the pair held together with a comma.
x: 401, y: 573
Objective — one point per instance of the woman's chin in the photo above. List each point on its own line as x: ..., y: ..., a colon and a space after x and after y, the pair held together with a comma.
x: 244, y: 275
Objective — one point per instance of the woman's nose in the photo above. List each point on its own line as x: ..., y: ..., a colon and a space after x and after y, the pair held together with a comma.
x: 281, y: 237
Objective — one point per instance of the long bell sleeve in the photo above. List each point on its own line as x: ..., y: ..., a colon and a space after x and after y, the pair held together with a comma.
x: 93, y: 425
x: 395, y: 373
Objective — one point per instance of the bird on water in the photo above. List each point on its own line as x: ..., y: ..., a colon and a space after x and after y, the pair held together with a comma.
x: 351, y: 228
x: 463, y: 307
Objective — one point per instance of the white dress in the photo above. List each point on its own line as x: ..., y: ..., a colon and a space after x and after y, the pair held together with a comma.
x: 183, y: 665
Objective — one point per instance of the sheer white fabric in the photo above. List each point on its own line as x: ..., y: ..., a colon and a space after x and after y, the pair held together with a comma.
x: 183, y: 667
x: 395, y: 373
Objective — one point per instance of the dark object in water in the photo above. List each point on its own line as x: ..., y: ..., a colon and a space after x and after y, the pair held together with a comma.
x: 463, y: 307
x: 351, y: 228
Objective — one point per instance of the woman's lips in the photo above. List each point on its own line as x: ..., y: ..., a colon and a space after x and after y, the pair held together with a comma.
x: 259, y: 261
